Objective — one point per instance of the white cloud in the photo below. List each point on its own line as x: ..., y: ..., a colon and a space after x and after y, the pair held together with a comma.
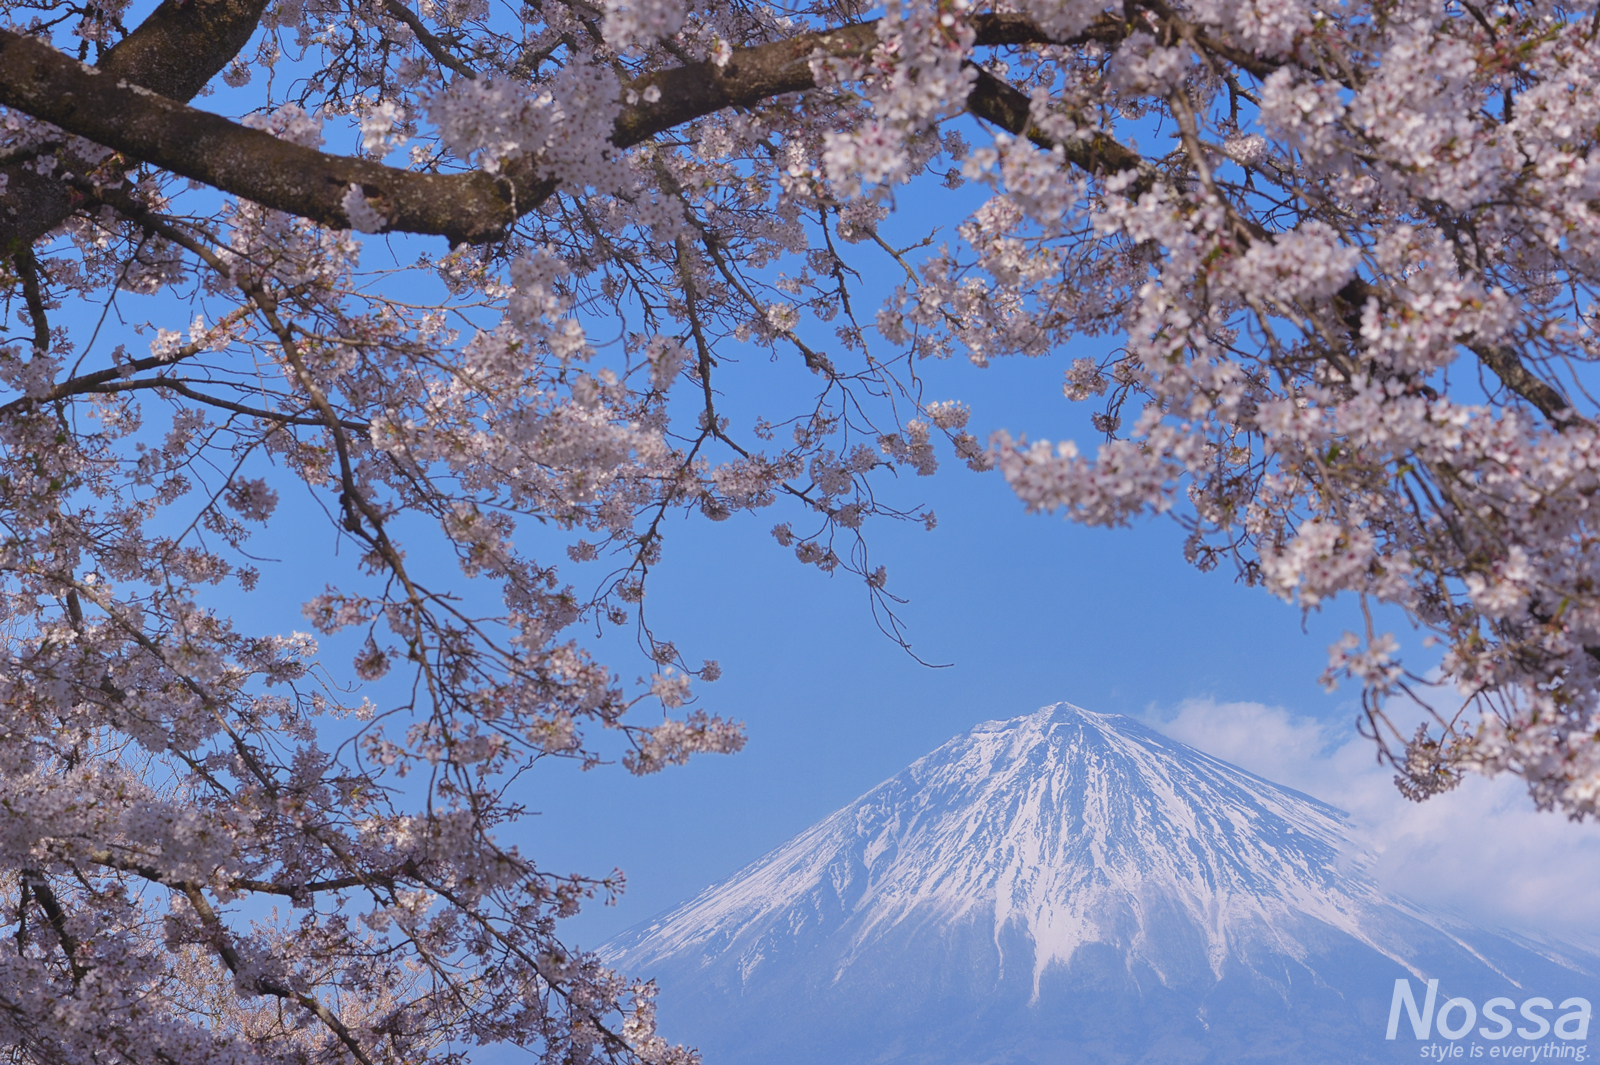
x: 1481, y: 850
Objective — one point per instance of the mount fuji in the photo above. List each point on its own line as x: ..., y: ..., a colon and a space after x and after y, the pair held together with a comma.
x: 1071, y: 887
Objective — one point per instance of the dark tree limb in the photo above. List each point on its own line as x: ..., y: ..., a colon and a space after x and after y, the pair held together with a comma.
x: 180, y: 47
x: 1007, y: 107
x: 183, y: 45
x: 220, y: 942
x: 753, y: 75
x: 432, y: 45
x: 41, y: 81
x: 288, y: 889
x: 1503, y: 362
x: 46, y: 897
x: 1508, y: 366
x: 33, y: 296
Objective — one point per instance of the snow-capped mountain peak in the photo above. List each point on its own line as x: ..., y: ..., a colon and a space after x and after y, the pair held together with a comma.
x: 1064, y: 887
x: 1072, y: 825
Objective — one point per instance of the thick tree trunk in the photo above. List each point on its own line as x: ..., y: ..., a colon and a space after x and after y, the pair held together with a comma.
x: 174, y: 52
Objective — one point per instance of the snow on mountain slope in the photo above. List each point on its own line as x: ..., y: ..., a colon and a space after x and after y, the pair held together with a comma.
x: 1031, y: 867
x: 1060, y: 822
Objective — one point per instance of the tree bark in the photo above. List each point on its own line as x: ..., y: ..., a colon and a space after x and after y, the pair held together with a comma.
x: 124, y: 115
x: 180, y: 47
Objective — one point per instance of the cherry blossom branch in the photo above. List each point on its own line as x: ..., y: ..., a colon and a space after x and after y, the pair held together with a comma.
x: 182, y: 387
x: 39, y: 80
x: 1007, y: 107
x: 230, y: 958
x: 246, y: 884
x: 425, y: 37
x: 40, y: 887
x: 28, y: 270
x: 1503, y: 361
x: 178, y: 48
x: 1519, y: 379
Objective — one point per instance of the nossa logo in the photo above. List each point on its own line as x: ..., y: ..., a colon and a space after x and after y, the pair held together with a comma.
x: 1457, y: 1016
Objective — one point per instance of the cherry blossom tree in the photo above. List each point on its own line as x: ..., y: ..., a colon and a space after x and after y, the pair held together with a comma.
x: 1351, y: 284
